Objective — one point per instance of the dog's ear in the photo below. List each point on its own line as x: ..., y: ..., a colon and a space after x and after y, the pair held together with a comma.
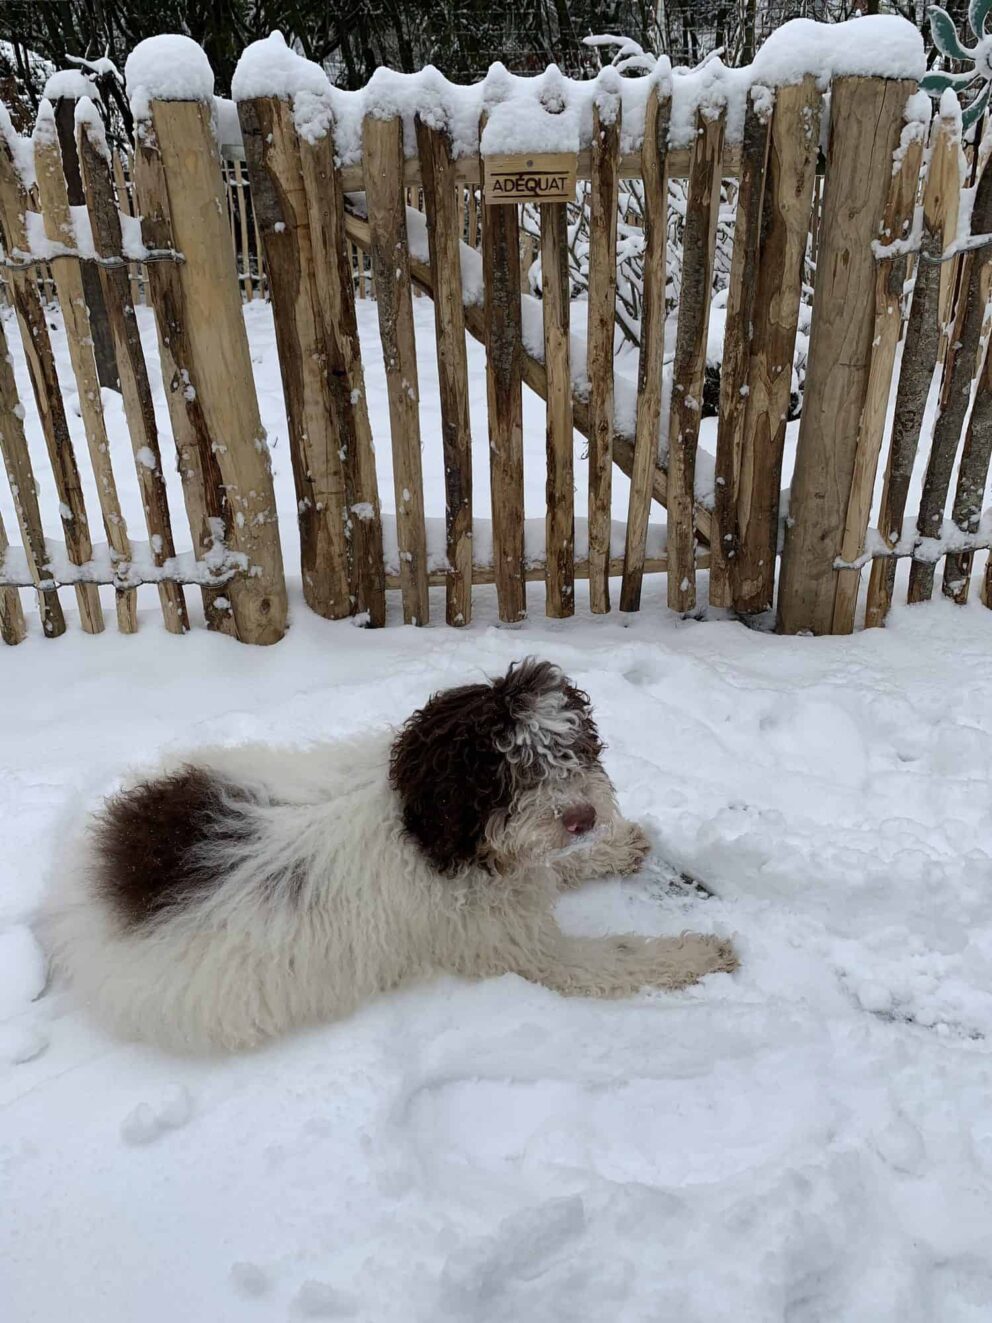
x: 551, y: 724
x: 451, y: 775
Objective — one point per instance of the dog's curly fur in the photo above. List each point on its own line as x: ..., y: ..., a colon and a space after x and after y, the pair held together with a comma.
x: 243, y: 891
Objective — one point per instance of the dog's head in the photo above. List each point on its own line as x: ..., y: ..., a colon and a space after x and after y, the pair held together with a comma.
x: 502, y: 774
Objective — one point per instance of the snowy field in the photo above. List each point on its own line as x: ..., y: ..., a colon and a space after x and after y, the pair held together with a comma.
x: 808, y: 1140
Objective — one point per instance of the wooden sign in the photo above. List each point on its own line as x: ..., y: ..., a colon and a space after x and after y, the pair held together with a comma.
x: 539, y: 177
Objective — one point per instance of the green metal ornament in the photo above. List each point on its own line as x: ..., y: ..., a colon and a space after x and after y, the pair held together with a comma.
x: 977, y: 79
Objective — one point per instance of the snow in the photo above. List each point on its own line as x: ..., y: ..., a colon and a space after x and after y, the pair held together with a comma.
x: 807, y: 1140
x: 548, y: 112
x: 813, y: 1130
x: 880, y: 45
x: 72, y: 84
x: 170, y: 67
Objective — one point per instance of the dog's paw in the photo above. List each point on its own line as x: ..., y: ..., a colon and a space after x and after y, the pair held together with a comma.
x: 705, y: 954
x: 633, y: 847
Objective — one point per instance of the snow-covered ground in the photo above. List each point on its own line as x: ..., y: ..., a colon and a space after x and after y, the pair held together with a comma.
x: 808, y: 1140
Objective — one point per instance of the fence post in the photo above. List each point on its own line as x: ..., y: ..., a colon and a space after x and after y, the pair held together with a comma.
x: 444, y: 231
x: 785, y: 221
x: 504, y: 353
x: 219, y: 368
x: 68, y: 276
x: 14, y: 204
x: 345, y: 378
x: 739, y: 333
x: 139, y: 408
x: 275, y: 171
x: 559, y: 523
x: 20, y: 475
x: 203, y: 493
x: 920, y: 349
x: 688, y: 369
x: 644, y: 462
x: 382, y: 153
x: 865, y: 120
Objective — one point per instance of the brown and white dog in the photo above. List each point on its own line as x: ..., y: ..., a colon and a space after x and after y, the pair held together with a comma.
x: 242, y: 891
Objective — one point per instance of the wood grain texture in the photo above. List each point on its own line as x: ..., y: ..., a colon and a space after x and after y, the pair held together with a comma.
x: 221, y: 362
x: 68, y: 276
x: 866, y: 116
x: 20, y: 475
x: 789, y: 183
x: 890, y: 280
x: 444, y: 230
x: 919, y: 356
x: 969, y: 495
x: 737, y: 345
x: 964, y: 362
x: 13, y: 630
x: 199, y: 471
x: 382, y: 141
x: 602, y: 293
x: 559, y: 538
x: 33, y: 326
x: 689, y: 366
x: 644, y: 456
x: 345, y: 376
x: 504, y: 393
x: 272, y: 150
x: 132, y: 372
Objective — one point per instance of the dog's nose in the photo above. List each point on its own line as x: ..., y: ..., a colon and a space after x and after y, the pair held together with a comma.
x: 577, y: 821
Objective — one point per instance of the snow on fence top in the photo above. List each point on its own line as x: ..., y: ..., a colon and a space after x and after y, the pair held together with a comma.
x: 545, y: 112
x: 71, y: 83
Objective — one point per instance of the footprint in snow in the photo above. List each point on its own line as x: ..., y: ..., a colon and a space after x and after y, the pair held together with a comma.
x: 319, y: 1300
x: 148, y: 1121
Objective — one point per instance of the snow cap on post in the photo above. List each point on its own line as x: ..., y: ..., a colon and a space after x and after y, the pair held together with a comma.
x: 88, y: 121
x: 70, y: 84
x: 878, y: 45
x: 167, y: 68
x: 44, y: 132
x: 271, y: 68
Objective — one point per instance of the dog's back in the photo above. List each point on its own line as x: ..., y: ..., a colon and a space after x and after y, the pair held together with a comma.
x: 212, y: 902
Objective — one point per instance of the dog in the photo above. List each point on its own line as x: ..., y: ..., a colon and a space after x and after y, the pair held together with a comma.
x: 244, y: 891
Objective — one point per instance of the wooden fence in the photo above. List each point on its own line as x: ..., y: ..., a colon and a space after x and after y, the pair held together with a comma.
x: 288, y: 225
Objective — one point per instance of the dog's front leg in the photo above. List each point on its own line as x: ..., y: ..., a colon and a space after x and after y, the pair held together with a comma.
x: 618, y: 966
x: 622, y: 850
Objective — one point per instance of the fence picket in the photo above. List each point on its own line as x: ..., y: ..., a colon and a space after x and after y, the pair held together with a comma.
x: 68, y: 276
x: 963, y: 363
x: 737, y: 348
x: 973, y: 472
x: 603, y: 214
x: 139, y: 408
x: 20, y: 475
x: 272, y: 150
x: 382, y: 149
x: 866, y: 116
x: 444, y: 231
x: 890, y: 280
x: 12, y: 627
x: 14, y: 204
x: 919, y: 356
x: 699, y: 241
x: 644, y: 460
x: 559, y: 524
x: 199, y: 472
x: 789, y: 187
x: 219, y: 356
x: 501, y: 279
x: 345, y: 377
